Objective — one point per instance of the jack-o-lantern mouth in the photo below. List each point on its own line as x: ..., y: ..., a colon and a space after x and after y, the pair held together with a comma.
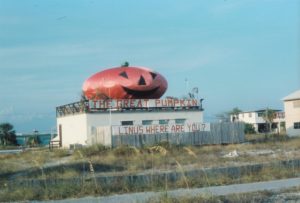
x: 140, y: 93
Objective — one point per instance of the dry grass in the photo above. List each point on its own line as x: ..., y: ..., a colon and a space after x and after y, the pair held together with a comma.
x: 134, y: 160
x: 149, y: 159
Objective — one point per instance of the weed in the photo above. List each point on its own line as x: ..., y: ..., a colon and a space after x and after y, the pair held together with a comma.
x: 93, y: 150
x: 59, y: 153
x: 152, y: 159
x: 125, y: 151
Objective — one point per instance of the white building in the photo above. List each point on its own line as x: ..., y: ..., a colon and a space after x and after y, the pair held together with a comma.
x: 292, y: 113
x: 92, y: 122
x: 256, y: 119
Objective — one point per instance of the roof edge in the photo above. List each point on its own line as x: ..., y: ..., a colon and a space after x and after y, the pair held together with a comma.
x: 293, y: 96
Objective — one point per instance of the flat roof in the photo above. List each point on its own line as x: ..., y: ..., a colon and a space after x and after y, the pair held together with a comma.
x: 261, y: 110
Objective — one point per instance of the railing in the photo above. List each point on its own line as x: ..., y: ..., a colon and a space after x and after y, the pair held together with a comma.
x: 73, y: 108
x: 280, y: 115
x: 54, y: 144
x: 84, y: 107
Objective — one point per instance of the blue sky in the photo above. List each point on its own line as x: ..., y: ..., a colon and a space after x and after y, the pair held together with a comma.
x: 242, y: 54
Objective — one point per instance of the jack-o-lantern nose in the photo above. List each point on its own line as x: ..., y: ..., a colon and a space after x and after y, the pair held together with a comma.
x: 142, y: 81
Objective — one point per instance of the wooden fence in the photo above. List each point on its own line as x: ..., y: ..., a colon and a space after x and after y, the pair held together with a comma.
x: 220, y: 133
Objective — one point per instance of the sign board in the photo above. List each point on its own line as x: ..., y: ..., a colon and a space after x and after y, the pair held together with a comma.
x: 141, y: 103
x: 158, y: 129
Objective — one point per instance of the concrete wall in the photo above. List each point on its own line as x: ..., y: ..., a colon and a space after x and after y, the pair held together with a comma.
x: 98, y: 124
x: 292, y: 115
x: 74, y: 129
x: 90, y: 128
x: 103, y: 119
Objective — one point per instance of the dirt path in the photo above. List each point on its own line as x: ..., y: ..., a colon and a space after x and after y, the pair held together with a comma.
x: 216, y: 190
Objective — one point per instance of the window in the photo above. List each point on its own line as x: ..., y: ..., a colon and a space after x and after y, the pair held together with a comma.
x: 250, y: 115
x: 126, y: 122
x: 260, y: 114
x: 163, y: 122
x: 279, y: 115
x: 179, y: 121
x: 296, y: 104
x: 147, y: 122
x: 297, y: 125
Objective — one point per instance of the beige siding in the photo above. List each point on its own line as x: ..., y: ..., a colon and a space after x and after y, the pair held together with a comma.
x: 292, y: 115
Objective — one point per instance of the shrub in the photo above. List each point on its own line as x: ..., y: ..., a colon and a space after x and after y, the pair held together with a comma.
x: 61, y: 153
x: 93, y: 150
x: 165, y: 144
x: 125, y: 151
x: 249, y: 128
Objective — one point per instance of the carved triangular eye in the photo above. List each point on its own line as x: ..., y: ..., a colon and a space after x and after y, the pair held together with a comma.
x: 142, y: 81
x: 124, y: 74
x: 153, y: 75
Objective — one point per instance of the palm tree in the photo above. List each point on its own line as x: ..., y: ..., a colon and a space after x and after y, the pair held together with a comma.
x: 228, y: 116
x: 7, y: 134
x: 269, y: 115
x: 235, y: 113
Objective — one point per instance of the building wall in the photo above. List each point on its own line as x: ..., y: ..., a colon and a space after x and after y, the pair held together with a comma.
x: 292, y: 115
x: 74, y: 129
x: 103, y: 119
x: 98, y: 124
x: 91, y: 128
x: 247, y: 117
x: 255, y: 120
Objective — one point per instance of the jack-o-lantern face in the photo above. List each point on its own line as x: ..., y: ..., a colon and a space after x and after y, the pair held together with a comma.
x: 125, y: 83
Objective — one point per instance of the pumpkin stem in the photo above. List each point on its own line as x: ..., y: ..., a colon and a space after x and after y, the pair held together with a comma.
x: 125, y: 64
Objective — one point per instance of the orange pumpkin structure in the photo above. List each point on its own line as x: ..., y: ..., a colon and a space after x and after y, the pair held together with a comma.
x: 125, y: 82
